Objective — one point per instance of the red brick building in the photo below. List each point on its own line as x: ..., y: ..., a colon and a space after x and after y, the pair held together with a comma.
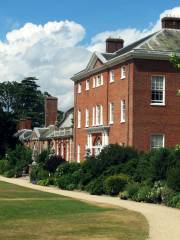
x: 128, y: 94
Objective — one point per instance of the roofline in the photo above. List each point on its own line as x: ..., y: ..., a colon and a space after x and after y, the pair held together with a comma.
x: 134, y: 54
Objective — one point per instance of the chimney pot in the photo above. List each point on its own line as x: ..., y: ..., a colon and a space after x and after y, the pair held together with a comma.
x: 114, y: 44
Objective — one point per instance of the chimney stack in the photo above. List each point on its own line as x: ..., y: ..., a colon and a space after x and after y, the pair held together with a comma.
x: 24, y: 123
x: 114, y: 44
x: 171, y: 22
x: 50, y: 111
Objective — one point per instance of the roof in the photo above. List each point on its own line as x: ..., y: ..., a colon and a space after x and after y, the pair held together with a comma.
x: 158, y: 45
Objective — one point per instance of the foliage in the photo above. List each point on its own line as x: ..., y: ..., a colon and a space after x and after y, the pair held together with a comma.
x: 43, y: 182
x: 43, y: 156
x: 67, y: 168
x: 115, y: 184
x: 3, y: 166
x: 7, y: 129
x: 96, y: 187
x: 173, y: 177
x: 132, y: 189
x: 175, y: 60
x: 19, y: 158
x: 53, y: 162
x: 10, y: 173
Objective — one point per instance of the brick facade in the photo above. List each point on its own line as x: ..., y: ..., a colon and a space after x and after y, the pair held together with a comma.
x: 142, y: 119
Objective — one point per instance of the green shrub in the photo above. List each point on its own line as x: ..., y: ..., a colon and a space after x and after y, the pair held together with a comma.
x: 67, y: 168
x: 167, y: 195
x: 124, y: 195
x: 173, y: 177
x: 43, y: 156
x: 161, y: 160
x: 154, y: 195
x: 53, y: 162
x: 42, y: 174
x: 3, y: 166
x: 64, y: 181
x: 115, y: 184
x: 132, y: 189
x: 19, y: 158
x: 10, y: 173
x: 43, y: 182
x: 33, y: 174
x: 95, y: 187
x: 142, y: 194
x: 175, y: 200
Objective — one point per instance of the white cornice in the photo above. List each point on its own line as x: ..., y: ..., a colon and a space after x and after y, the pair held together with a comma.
x: 134, y: 54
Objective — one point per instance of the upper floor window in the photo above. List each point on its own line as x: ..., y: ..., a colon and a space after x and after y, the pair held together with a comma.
x: 87, y: 118
x: 123, y: 111
x: 98, y: 80
x: 123, y: 72
x: 111, y: 76
x: 158, y: 90
x: 157, y: 141
x: 79, y: 119
x: 87, y: 84
x: 99, y: 115
x: 111, y: 113
x: 79, y: 87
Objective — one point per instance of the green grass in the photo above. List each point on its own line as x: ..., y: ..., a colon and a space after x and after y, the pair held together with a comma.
x: 33, y: 215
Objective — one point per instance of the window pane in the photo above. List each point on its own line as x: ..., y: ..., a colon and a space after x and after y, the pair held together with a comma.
x: 157, y: 141
x: 157, y: 88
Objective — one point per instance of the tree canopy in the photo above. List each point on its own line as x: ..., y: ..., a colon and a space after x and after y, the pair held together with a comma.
x: 23, y: 99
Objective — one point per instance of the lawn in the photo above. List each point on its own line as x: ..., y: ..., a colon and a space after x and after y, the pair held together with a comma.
x: 29, y: 215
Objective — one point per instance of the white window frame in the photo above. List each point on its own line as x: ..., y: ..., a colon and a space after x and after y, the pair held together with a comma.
x: 111, y: 76
x: 87, y: 84
x: 94, y: 82
x: 123, y: 111
x: 157, y: 135
x: 79, y: 119
x: 101, y: 117
x: 98, y: 80
x: 111, y: 113
x: 153, y: 103
x: 87, y: 118
x: 79, y: 87
x: 123, y: 72
x: 93, y: 116
x: 78, y: 153
x: 102, y: 79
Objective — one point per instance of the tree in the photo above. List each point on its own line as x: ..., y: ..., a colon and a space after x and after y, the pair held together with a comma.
x: 7, y: 129
x: 175, y: 60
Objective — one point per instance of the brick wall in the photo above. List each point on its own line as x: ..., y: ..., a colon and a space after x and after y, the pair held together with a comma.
x: 155, y: 119
x: 50, y: 111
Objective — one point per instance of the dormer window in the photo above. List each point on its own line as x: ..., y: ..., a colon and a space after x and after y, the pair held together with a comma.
x: 123, y: 72
x: 79, y: 87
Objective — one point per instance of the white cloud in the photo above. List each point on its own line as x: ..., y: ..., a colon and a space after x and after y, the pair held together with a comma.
x: 130, y: 34
x: 53, y: 53
x: 49, y: 52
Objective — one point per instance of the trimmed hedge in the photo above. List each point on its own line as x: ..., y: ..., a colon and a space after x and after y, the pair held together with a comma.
x: 115, y: 184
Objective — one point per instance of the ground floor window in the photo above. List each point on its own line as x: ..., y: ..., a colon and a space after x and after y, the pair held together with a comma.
x: 157, y: 141
x: 78, y: 153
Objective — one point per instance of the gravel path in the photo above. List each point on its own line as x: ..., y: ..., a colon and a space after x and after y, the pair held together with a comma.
x: 164, y: 222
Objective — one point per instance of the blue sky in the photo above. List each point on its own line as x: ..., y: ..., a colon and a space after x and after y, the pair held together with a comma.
x: 54, y: 39
x: 95, y: 15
